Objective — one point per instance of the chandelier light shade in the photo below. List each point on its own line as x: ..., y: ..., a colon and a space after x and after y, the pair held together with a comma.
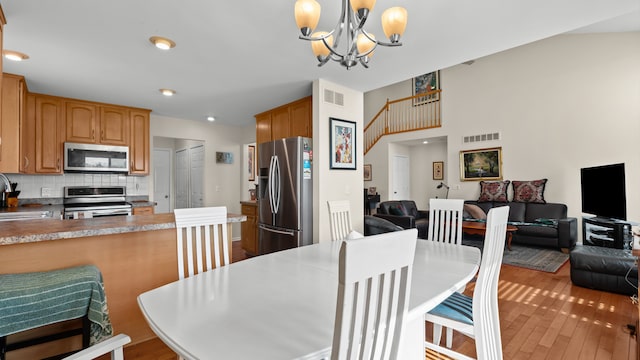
x: 307, y: 15
x: 359, y: 45
x: 394, y: 21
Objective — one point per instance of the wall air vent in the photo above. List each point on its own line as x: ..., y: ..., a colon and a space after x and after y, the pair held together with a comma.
x: 481, y: 137
x: 333, y: 97
x: 328, y: 96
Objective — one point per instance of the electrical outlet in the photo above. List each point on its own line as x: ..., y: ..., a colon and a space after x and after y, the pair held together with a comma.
x: 45, y: 192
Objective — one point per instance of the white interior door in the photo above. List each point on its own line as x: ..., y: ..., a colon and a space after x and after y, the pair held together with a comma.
x: 162, y: 180
x: 182, y: 179
x: 401, y: 178
x: 196, y: 155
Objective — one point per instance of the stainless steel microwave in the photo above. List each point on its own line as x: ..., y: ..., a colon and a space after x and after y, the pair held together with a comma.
x: 96, y: 158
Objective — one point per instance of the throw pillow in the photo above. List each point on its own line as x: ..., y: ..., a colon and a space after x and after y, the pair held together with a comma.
x: 397, y: 210
x: 475, y: 211
x: 493, y: 191
x: 529, y: 191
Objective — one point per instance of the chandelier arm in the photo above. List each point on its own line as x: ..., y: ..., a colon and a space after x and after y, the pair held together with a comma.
x: 363, y: 62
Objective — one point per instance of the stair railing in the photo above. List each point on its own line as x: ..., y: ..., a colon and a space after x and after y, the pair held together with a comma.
x: 418, y: 112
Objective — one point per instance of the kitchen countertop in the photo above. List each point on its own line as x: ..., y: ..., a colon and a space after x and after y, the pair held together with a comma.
x: 27, y: 231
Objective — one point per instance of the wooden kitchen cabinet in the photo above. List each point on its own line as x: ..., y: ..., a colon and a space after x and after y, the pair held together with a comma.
x: 292, y: 119
x: 300, y: 118
x: 42, y: 135
x: 142, y: 210
x: 87, y: 122
x: 139, y: 146
x: 263, y: 128
x: 13, y: 105
x: 81, y: 120
x: 249, y: 228
x: 114, y: 125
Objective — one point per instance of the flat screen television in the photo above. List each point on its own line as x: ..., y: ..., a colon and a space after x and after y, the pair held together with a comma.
x: 603, y: 191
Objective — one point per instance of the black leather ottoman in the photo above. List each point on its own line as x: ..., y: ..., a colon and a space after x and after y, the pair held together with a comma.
x: 604, y: 268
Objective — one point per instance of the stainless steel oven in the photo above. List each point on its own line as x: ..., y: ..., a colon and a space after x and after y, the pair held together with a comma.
x: 95, y: 201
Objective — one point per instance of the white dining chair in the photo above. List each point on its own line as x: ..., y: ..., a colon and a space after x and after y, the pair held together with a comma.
x: 477, y: 316
x: 112, y: 345
x: 445, y: 220
x: 373, y: 295
x: 339, y: 219
x: 202, y: 239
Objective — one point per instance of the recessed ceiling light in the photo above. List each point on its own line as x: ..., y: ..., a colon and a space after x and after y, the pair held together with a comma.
x: 211, y: 118
x: 167, y: 92
x: 14, y: 55
x: 162, y: 42
x: 425, y: 142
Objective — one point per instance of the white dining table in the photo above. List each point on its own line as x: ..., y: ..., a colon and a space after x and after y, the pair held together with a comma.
x: 282, y: 305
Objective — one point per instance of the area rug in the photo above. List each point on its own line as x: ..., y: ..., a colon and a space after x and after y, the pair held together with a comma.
x: 534, y: 258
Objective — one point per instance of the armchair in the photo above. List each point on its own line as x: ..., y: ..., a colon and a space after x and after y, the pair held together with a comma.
x: 405, y: 214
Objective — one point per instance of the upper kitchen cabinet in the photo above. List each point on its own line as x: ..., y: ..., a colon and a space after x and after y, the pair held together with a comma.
x: 300, y: 116
x: 293, y: 119
x: 88, y: 122
x: 13, y: 105
x: 42, y: 135
x: 139, y: 147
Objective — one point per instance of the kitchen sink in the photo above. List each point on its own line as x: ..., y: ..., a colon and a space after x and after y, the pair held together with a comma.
x: 25, y: 215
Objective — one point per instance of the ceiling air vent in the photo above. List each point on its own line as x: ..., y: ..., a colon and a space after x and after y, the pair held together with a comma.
x: 333, y: 97
x: 481, y: 138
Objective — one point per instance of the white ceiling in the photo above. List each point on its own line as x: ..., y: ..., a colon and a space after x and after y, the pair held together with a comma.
x: 234, y: 59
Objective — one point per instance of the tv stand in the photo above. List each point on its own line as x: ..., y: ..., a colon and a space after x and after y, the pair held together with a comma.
x: 606, y: 233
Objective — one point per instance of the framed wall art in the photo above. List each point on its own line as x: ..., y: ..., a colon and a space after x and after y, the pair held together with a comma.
x: 224, y: 157
x: 481, y: 164
x: 251, y: 162
x: 367, y: 172
x: 438, y: 170
x: 425, y: 83
x: 343, y: 144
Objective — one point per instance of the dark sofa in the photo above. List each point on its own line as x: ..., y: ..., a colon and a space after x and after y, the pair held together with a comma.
x: 405, y: 214
x: 539, y: 224
x: 375, y: 225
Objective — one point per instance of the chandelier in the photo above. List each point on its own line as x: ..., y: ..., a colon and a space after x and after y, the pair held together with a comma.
x: 359, y: 43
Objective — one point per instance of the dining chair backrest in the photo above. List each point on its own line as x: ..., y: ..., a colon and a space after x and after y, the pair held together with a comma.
x: 201, y: 233
x: 112, y: 345
x: 373, y: 295
x: 339, y: 219
x: 445, y: 220
x: 486, y: 323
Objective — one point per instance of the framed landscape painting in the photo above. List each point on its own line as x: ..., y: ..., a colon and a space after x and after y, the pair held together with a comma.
x: 343, y: 144
x: 481, y: 164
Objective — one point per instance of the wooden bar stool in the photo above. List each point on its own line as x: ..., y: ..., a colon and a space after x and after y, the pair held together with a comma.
x: 33, y: 300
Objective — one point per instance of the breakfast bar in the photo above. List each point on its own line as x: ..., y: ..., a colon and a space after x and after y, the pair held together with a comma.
x: 134, y: 253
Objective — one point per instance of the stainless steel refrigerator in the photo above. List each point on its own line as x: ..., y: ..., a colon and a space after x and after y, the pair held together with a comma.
x: 285, y: 194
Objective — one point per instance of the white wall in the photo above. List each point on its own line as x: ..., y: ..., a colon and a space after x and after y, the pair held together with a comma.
x: 560, y: 104
x: 331, y: 184
x: 221, y: 180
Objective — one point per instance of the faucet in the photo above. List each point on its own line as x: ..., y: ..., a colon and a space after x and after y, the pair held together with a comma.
x: 7, y: 183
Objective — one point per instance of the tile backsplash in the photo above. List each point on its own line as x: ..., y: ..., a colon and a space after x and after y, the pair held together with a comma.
x: 31, y: 186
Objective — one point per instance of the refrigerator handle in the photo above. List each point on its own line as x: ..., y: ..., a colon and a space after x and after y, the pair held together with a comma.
x: 276, y: 177
x: 283, y: 232
x: 270, y: 184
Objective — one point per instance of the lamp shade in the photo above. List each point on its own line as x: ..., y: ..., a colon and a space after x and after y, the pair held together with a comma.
x: 318, y: 46
x: 362, y: 4
x: 394, y: 22
x: 364, y: 44
x: 307, y: 13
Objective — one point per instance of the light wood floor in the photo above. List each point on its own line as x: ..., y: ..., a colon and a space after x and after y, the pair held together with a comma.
x: 542, y: 316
